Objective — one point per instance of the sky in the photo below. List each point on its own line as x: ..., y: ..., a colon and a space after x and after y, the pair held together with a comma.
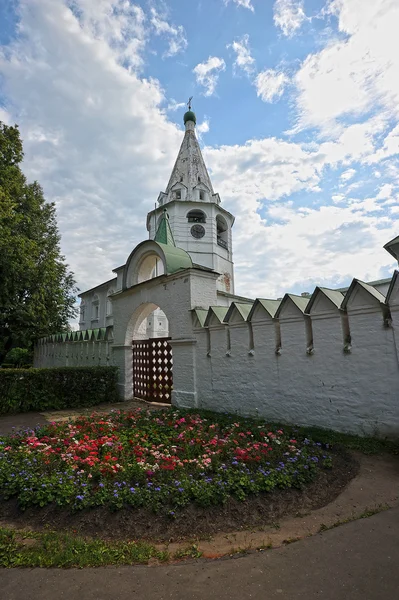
x: 297, y: 105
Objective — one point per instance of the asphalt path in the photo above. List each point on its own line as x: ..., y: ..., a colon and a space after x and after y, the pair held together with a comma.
x: 356, y: 561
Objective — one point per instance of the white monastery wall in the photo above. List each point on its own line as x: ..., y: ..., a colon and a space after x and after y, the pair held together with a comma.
x: 327, y: 383
x: 89, y: 353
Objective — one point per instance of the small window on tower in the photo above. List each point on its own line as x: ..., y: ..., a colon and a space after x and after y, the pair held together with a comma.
x: 202, y: 196
x: 178, y: 194
x: 196, y: 216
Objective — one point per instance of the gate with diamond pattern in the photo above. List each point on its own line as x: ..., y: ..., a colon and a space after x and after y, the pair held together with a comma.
x: 152, y: 370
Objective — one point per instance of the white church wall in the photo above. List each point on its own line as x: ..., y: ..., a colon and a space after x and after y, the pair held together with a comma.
x: 100, y: 293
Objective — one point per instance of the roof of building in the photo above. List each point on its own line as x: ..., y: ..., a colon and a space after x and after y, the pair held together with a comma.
x: 270, y: 306
x: 299, y: 301
x: 242, y: 309
x: 334, y: 296
x: 201, y: 314
x: 189, y: 116
x: 216, y: 311
x: 96, y: 287
x: 393, y: 247
x: 367, y: 287
x: 189, y: 169
x: 164, y: 233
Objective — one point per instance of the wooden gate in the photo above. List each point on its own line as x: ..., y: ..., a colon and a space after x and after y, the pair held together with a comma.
x: 152, y: 370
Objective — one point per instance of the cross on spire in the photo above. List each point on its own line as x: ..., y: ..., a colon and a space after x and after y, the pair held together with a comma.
x: 189, y: 102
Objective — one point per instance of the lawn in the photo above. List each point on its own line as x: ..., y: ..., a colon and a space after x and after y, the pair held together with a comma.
x: 159, y: 460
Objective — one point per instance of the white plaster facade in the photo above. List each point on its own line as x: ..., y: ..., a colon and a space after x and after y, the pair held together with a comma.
x: 331, y: 360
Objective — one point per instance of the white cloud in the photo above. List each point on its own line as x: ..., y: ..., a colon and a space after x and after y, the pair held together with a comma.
x: 115, y: 24
x: 94, y: 134
x: 348, y: 174
x: 243, y: 3
x: 207, y: 73
x: 288, y: 16
x: 338, y: 198
x: 353, y: 75
x: 5, y: 116
x: 390, y: 147
x: 174, y: 105
x: 174, y: 33
x: 243, y: 60
x: 203, y: 127
x: 270, y: 85
x: 292, y: 246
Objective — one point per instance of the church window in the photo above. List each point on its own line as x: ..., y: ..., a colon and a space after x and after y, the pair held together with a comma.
x: 82, y: 311
x: 178, y: 194
x: 109, y: 302
x: 95, y: 308
x: 202, y: 196
x: 222, y: 232
x: 196, y: 216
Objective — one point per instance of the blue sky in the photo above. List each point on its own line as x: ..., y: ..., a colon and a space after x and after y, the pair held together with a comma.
x: 297, y: 111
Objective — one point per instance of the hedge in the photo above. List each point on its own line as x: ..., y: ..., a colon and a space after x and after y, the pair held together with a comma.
x: 23, y: 390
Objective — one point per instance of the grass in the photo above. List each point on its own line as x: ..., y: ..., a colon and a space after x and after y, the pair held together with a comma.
x: 189, y: 552
x: 364, y: 515
x: 59, y: 549
x: 366, y: 445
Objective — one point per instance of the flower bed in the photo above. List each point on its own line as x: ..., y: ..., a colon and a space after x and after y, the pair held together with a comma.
x: 159, y: 460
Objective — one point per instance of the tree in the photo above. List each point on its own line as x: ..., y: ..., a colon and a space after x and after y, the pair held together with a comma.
x: 37, y: 291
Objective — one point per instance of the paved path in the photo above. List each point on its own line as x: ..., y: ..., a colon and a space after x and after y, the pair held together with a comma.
x: 357, y: 561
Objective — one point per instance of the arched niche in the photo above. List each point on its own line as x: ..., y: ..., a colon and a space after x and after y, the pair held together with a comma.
x: 151, y: 259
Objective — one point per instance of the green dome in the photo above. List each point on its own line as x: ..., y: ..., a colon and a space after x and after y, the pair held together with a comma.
x: 190, y: 116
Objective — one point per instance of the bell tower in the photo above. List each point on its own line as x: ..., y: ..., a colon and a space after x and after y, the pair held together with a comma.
x: 199, y: 224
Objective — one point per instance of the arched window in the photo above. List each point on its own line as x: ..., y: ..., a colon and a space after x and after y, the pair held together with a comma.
x: 95, y: 308
x: 109, y: 302
x: 82, y: 311
x: 222, y: 232
x: 196, y: 216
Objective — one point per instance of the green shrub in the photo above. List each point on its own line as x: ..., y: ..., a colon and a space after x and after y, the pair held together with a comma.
x: 18, y: 358
x: 23, y: 390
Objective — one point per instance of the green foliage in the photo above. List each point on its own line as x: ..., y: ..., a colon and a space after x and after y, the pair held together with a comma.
x: 56, y: 549
x: 367, y: 445
x: 37, y: 292
x: 18, y: 358
x: 23, y: 390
